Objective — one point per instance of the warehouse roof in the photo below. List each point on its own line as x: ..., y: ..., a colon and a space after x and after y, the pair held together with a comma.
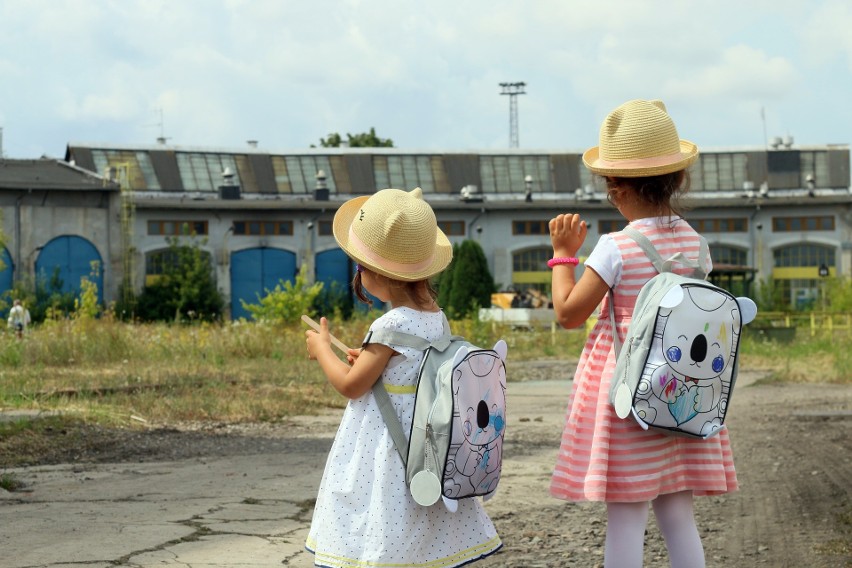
x: 50, y: 174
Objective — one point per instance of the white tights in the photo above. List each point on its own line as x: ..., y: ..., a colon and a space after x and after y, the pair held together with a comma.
x: 625, y: 532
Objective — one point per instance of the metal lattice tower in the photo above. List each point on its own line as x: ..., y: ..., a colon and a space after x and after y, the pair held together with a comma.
x: 513, y: 90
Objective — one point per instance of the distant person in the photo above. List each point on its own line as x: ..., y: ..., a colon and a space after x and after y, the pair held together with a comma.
x: 19, y: 318
x: 365, y: 514
x: 603, y: 458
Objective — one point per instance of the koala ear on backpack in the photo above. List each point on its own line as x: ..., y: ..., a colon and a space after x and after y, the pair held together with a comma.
x: 673, y: 297
x: 748, y: 309
x: 461, y: 353
x: 502, y: 349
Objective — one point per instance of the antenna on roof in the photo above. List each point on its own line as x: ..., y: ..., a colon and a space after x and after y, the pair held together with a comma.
x: 162, y: 138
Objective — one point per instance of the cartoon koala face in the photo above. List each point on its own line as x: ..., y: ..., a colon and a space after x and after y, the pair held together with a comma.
x: 700, y: 332
x: 481, y: 400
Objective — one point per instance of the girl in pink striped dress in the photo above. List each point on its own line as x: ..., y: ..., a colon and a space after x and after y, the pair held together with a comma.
x: 604, y: 458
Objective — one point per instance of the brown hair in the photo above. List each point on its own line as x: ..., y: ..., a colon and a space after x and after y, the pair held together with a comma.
x: 662, y: 192
x: 420, y: 291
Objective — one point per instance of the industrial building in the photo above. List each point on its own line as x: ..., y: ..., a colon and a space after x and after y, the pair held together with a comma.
x: 782, y: 212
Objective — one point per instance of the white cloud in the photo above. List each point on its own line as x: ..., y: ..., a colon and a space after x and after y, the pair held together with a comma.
x: 742, y: 73
x: 288, y: 72
x: 827, y: 34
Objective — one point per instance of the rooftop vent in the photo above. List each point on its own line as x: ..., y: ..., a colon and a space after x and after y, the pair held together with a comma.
x: 229, y: 189
x: 321, y: 189
x: 471, y: 194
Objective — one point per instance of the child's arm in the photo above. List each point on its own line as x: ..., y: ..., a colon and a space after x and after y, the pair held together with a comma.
x: 352, y: 382
x: 573, y: 302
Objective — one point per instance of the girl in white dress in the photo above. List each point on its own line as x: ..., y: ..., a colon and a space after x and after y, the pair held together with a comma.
x: 364, y: 514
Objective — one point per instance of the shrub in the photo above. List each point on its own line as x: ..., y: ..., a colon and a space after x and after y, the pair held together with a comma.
x: 288, y: 301
x: 185, y: 290
x: 334, y: 299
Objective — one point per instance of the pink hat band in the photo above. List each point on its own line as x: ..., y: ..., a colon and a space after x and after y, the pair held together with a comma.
x: 640, y: 162
x: 384, y: 263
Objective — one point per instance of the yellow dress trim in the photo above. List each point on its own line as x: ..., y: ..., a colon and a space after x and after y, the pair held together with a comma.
x: 477, y: 551
x: 401, y: 389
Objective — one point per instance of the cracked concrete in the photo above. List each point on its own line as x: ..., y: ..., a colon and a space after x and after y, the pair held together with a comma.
x: 248, y: 502
x: 236, y: 511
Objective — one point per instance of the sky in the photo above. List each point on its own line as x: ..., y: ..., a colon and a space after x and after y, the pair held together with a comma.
x: 286, y: 73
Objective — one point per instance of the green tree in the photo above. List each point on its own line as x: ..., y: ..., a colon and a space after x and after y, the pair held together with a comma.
x: 362, y: 140
x: 186, y: 289
x: 837, y: 292
x: 444, y: 281
x: 472, y: 283
x: 769, y: 296
x: 288, y: 301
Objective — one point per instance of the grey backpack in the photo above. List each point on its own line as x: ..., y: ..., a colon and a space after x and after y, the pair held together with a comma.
x: 455, y: 447
x: 679, y: 361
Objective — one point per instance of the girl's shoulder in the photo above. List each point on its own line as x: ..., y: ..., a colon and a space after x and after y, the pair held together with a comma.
x: 406, y: 319
x: 656, y: 227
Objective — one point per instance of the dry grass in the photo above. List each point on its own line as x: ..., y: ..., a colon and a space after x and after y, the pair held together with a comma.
x: 821, y: 359
x: 116, y: 373
x: 122, y: 374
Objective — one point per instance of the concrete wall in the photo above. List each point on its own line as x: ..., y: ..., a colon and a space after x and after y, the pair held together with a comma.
x: 32, y: 219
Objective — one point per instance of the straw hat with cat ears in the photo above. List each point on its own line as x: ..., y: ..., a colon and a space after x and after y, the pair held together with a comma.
x: 394, y: 233
x: 639, y: 139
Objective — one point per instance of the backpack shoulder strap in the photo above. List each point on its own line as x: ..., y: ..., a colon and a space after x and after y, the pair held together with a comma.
x: 392, y: 337
x: 616, y: 339
x: 394, y: 426
x: 662, y: 265
x: 386, y: 337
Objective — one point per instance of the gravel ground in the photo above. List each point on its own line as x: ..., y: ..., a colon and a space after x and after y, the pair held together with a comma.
x: 792, y: 448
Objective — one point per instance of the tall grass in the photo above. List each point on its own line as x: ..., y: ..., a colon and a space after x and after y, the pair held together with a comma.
x: 821, y: 359
x: 108, y: 371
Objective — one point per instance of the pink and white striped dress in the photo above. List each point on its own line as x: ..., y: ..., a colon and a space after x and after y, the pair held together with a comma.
x: 605, y: 458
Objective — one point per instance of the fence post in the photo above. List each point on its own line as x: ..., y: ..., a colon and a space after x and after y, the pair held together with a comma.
x: 813, y: 324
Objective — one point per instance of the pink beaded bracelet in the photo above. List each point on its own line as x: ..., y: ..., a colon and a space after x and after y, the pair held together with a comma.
x: 562, y: 260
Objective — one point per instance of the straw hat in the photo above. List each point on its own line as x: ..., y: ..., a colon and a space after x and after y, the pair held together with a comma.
x: 394, y: 233
x: 639, y: 139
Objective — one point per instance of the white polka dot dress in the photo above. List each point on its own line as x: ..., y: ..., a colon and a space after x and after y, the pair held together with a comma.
x: 364, y: 514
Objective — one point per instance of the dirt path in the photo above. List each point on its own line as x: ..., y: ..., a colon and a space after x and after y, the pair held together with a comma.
x: 793, y: 452
x: 792, y: 449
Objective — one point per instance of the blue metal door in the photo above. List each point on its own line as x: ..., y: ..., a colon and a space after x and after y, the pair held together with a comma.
x: 335, y: 270
x: 8, y: 271
x: 71, y: 258
x: 254, y: 272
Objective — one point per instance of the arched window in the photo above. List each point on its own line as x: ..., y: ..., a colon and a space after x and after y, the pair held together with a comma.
x: 529, y: 269
x: 531, y: 260
x: 797, y: 272
x: 159, y: 262
x: 804, y: 254
x: 731, y: 270
x: 724, y: 254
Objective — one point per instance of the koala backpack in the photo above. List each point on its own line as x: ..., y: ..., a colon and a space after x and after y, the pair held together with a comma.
x: 455, y: 447
x: 677, y: 366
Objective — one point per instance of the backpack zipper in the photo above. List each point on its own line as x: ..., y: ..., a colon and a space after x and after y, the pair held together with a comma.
x: 429, y: 458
